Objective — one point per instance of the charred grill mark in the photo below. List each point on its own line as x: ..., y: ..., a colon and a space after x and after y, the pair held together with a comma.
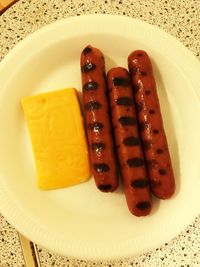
x: 89, y: 66
x: 92, y: 105
x: 151, y: 111
x: 95, y: 126
x: 131, y: 141
x: 121, y: 81
x: 87, y: 50
x: 124, y: 101
x: 155, y: 131
x: 162, y: 172
x: 159, y: 151
x: 127, y: 120
x: 135, y: 162
x: 105, y: 187
x: 143, y: 205
x: 97, y: 147
x: 101, y: 167
x: 90, y: 86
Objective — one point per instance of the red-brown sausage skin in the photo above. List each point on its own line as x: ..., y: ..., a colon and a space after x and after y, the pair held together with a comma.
x: 153, y: 136
x: 95, y: 98
x: 128, y: 143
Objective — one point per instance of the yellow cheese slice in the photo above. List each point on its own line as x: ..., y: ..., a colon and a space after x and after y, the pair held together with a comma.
x: 58, y: 139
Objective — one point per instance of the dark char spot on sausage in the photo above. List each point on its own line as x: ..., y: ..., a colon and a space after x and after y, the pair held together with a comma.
x: 135, y: 162
x: 151, y: 111
x: 140, y: 183
x: 95, y: 126
x: 121, y: 81
x: 97, y: 147
x: 126, y: 120
x: 143, y: 205
x: 147, y: 92
x: 155, y: 131
x: 124, y: 101
x: 92, y: 105
x: 88, y: 67
x: 87, y: 50
x: 159, y: 151
x: 101, y: 167
x: 162, y: 172
x: 152, y: 163
x: 131, y: 141
x: 143, y: 73
x: 90, y: 86
x: 105, y: 187
x: 139, y: 54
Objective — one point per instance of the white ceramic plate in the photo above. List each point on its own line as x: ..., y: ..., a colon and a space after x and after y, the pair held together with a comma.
x: 80, y: 221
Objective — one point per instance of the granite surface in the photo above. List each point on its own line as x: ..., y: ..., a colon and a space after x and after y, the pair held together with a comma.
x: 180, y: 18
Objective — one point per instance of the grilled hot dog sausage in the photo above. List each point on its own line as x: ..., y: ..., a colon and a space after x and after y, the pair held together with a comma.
x: 127, y: 138
x: 153, y: 136
x: 98, y: 120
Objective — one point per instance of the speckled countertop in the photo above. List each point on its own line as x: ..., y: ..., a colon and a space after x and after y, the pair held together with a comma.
x: 181, y: 18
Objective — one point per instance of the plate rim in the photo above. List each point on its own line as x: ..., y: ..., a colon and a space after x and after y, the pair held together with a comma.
x: 4, y: 194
